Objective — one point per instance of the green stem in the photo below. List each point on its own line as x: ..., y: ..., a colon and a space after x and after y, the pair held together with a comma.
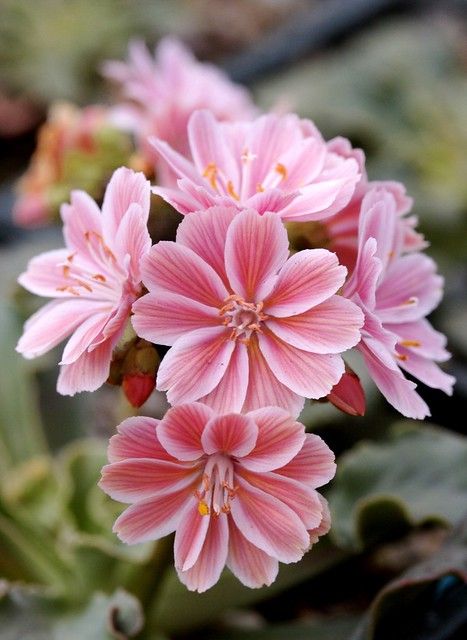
x: 147, y: 582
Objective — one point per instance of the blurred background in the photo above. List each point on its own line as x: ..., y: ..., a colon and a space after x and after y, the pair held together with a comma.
x: 392, y: 77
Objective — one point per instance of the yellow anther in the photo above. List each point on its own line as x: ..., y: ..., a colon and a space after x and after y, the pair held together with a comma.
x: 281, y: 170
x: 211, y: 174
x: 259, y: 188
x: 231, y: 191
x: 203, y: 508
x: 99, y: 277
x: 401, y: 357
x: 410, y: 343
x: 66, y: 271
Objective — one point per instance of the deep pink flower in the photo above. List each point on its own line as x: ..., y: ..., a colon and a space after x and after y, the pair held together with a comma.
x: 239, y: 490
x: 94, y: 281
x: 396, y: 291
x: 249, y: 327
x: 342, y: 228
x: 165, y: 91
x: 275, y: 163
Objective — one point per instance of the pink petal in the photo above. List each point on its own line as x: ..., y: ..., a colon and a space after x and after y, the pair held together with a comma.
x: 303, y: 162
x: 324, y: 526
x: 205, y: 234
x: 152, y: 518
x: 172, y: 268
x: 80, y: 219
x: 182, y: 167
x: 229, y: 394
x: 313, y: 465
x: 364, y: 278
x: 209, y: 145
x: 330, y: 327
x: 311, y: 375
x: 253, y: 567
x: 84, y: 336
x: 301, y: 499
x: 426, y: 371
x: 264, y: 389
x: 268, y: 523
x: 378, y: 220
x: 88, y: 373
x: 132, y: 239
x: 45, y: 274
x: 52, y: 323
x: 231, y: 434
x: 397, y: 390
x: 181, y: 201
x: 137, y: 479
x: 195, y: 364
x: 421, y: 337
x: 271, y: 200
x: 255, y: 249
x: 308, y: 278
x: 181, y: 429
x: 164, y: 317
x: 136, y: 438
x: 190, y: 537
x: 280, y: 438
x: 124, y: 189
x: 208, y: 567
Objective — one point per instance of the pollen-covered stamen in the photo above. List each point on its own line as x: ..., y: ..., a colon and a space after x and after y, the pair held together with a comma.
x: 210, y: 173
x: 244, y: 317
x: 217, y: 488
x: 410, y: 343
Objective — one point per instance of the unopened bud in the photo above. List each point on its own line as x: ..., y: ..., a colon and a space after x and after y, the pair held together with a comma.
x: 348, y: 395
x: 138, y: 387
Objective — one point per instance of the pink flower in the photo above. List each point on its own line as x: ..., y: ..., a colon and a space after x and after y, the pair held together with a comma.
x: 396, y: 291
x: 249, y: 327
x: 165, y: 91
x: 275, y: 163
x: 94, y: 281
x: 239, y: 490
x: 342, y: 228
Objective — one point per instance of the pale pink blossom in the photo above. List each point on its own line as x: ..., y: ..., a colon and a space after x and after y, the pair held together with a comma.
x: 342, y: 228
x: 274, y: 163
x: 396, y: 290
x: 164, y: 91
x: 94, y: 281
x: 248, y: 327
x: 238, y: 490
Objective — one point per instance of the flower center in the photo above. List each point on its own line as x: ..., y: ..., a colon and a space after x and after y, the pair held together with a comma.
x: 243, y: 317
x: 217, y: 488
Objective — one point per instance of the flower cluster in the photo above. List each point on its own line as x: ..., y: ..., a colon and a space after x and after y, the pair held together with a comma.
x: 252, y: 329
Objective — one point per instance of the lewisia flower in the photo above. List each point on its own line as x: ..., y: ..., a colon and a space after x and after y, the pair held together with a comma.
x: 94, y: 281
x: 396, y: 291
x: 275, y: 163
x: 239, y: 490
x: 162, y: 94
x: 248, y: 327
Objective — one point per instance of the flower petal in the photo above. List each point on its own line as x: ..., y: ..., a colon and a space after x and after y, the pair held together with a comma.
x: 164, y: 317
x: 311, y: 375
x: 195, y: 364
x: 308, y: 278
x: 280, y: 438
x: 231, y: 434
x: 84, y: 336
x: 426, y: 371
x: 132, y: 239
x: 81, y: 219
x: 88, y: 372
x: 330, y: 327
x: 136, y: 438
x: 180, y: 430
x: 190, y: 537
x: 253, y: 567
x: 230, y: 393
x: 268, y: 523
x: 124, y: 188
x: 314, y: 464
x: 172, y: 268
x: 45, y: 275
x: 255, y: 249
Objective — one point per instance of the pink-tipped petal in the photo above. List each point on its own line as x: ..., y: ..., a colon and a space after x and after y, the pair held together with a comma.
x: 422, y: 338
x: 280, y: 438
x: 195, y: 364
x: 331, y: 327
x: 172, y: 268
x: 256, y: 248
x: 268, y: 523
x: 324, y: 526
x: 163, y: 317
x: 45, y: 275
x: 426, y: 371
x: 314, y: 464
x: 308, y: 278
x: 132, y: 239
x: 208, y: 567
x: 231, y: 434
x: 87, y: 373
x: 311, y: 375
x: 136, y: 438
x: 180, y: 430
x: 83, y: 337
x: 190, y: 537
x: 230, y: 393
x: 81, y: 220
x: 253, y: 567
x: 124, y: 189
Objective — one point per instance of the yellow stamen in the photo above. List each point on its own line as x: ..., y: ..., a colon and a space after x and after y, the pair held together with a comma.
x: 211, y: 174
x: 281, y: 170
x: 410, y: 343
x: 401, y: 357
x: 203, y: 508
x: 259, y: 188
x: 99, y: 277
x: 231, y: 191
x: 66, y: 270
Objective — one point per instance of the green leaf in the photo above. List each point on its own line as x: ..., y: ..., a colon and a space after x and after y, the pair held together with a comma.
x: 382, y: 489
